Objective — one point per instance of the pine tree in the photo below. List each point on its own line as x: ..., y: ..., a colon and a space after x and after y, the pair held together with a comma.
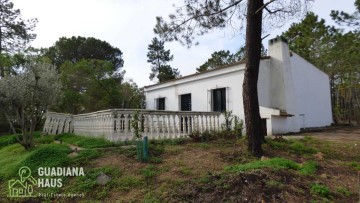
x: 159, y: 59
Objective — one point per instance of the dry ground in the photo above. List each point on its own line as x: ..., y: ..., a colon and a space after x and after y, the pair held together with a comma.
x: 194, y: 172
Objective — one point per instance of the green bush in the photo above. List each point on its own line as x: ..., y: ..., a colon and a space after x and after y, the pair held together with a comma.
x: 6, y: 140
x: 320, y: 190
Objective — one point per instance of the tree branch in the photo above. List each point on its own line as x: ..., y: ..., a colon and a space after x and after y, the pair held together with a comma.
x: 211, y: 14
x: 264, y: 6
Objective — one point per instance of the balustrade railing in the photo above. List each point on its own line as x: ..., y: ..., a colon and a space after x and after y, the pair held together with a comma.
x: 115, y: 124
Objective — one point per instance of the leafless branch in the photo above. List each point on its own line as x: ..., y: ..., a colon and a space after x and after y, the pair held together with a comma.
x: 202, y: 15
x: 264, y: 6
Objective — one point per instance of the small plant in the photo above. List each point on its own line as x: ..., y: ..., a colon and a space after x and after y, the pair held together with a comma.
x: 321, y: 190
x: 309, y: 168
x: 343, y: 191
x: 238, y: 127
x: 135, y: 125
x: 228, y: 120
x: 149, y: 172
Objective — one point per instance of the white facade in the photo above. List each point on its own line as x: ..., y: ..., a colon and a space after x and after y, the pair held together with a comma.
x: 293, y: 94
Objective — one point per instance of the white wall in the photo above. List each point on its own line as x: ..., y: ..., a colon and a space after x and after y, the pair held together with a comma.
x: 312, y: 93
x: 290, y: 84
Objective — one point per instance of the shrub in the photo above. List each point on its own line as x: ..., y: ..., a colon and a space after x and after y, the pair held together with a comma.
x: 309, y: 168
x: 321, y: 190
x: 6, y: 140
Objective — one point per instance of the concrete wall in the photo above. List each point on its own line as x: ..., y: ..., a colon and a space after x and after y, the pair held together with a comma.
x: 312, y: 93
x: 293, y: 94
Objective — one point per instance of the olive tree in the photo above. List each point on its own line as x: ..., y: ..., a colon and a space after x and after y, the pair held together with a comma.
x: 25, y: 97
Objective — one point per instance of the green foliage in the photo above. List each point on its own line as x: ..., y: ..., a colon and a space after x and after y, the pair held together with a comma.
x: 135, y: 121
x: 274, y: 163
x: 299, y: 148
x: 90, y: 85
x: 159, y: 58
x: 321, y: 190
x: 75, y: 49
x: 26, y: 96
x: 149, y: 172
x: 51, y: 155
x: 85, y: 142
x: 6, y: 140
x: 343, y: 18
x: 308, y: 168
x: 15, y: 31
x: 238, y: 126
x: 44, y: 140
x: 337, y: 54
x: 11, y: 157
x: 221, y: 58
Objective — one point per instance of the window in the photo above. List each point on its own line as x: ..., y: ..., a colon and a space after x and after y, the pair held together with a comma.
x: 185, y: 102
x: 160, y: 103
x: 219, y: 100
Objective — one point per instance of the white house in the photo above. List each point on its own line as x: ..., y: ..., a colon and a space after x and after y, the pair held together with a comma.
x: 293, y: 94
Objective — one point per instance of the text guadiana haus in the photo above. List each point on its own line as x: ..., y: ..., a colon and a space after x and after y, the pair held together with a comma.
x: 51, y: 176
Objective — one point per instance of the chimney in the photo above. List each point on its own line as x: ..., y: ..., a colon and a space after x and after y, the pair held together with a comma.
x: 282, y: 86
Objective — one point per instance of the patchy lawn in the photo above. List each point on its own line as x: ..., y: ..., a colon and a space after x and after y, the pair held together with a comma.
x: 220, y: 170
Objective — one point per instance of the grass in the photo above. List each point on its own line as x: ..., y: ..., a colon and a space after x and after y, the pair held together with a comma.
x: 308, y: 168
x: 10, y: 159
x: 7, y: 140
x: 321, y: 190
x: 170, y: 175
x: 85, y: 142
x: 274, y: 163
x: 295, y: 147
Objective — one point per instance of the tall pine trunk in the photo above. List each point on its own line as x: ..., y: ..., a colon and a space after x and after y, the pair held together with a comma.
x: 250, y: 94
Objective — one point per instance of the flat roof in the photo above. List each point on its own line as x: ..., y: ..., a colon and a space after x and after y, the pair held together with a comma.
x: 207, y: 71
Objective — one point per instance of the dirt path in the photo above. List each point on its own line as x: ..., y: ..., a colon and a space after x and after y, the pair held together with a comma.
x: 333, y: 133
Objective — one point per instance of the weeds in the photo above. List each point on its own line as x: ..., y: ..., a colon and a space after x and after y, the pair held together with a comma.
x: 274, y: 163
x: 321, y: 190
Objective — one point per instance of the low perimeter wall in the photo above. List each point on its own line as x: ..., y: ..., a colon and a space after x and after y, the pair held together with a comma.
x: 115, y: 124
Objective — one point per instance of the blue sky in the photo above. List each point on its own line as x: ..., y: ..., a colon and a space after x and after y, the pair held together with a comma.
x: 128, y: 25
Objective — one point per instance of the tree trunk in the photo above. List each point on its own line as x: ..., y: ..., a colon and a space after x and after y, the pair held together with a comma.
x: 2, y: 72
x: 250, y: 94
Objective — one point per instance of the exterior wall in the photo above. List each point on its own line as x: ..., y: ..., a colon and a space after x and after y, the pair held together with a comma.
x: 293, y: 94
x: 312, y: 93
x: 200, y: 87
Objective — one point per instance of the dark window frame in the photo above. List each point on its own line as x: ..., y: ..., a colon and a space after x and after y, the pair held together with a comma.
x: 218, y: 100
x: 160, y: 103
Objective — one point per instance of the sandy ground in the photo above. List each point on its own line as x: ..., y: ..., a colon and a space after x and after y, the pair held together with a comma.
x: 333, y: 133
